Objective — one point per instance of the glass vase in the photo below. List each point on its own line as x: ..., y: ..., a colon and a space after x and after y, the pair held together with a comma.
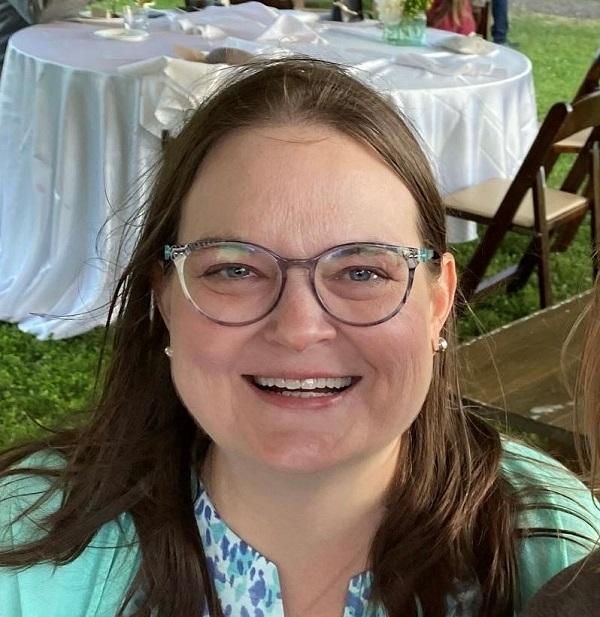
x: 410, y: 30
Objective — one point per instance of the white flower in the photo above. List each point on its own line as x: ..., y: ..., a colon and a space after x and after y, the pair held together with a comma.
x: 390, y: 11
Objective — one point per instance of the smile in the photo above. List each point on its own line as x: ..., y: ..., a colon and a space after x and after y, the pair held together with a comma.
x: 311, y: 387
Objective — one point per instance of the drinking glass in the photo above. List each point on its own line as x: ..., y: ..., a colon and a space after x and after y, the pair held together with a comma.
x: 135, y: 17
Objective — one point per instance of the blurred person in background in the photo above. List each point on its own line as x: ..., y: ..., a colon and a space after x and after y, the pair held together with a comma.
x: 452, y: 15
x: 500, y: 22
x: 575, y: 592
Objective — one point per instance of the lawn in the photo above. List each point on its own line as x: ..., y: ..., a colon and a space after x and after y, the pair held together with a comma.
x: 44, y: 383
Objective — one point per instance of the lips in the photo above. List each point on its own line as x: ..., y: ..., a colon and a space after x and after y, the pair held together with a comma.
x: 305, y: 387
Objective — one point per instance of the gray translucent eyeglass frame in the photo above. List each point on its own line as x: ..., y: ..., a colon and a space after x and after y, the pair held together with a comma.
x: 414, y: 256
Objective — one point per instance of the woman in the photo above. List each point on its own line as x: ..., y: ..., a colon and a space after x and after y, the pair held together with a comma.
x: 278, y: 424
x: 452, y: 15
x: 576, y: 590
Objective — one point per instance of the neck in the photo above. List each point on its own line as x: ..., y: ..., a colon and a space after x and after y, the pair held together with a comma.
x: 303, y: 519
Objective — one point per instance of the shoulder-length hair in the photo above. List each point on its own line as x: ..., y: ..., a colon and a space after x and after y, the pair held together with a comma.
x: 587, y: 387
x: 449, y: 516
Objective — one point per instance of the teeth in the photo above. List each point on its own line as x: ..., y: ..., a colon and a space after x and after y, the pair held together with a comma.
x: 310, y: 383
x: 304, y: 394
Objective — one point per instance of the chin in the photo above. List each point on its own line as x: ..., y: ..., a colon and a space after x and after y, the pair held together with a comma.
x: 300, y: 458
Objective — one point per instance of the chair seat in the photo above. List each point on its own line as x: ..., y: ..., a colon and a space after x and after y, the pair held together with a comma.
x: 574, y: 143
x: 483, y: 199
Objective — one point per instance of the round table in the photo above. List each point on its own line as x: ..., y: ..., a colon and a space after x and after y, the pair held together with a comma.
x: 79, y: 130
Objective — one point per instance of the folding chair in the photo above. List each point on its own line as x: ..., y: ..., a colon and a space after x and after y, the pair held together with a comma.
x: 525, y: 205
x: 573, y: 145
x: 481, y: 15
x: 590, y: 83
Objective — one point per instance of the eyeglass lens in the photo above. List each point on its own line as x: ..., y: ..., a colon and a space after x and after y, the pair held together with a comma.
x: 236, y: 283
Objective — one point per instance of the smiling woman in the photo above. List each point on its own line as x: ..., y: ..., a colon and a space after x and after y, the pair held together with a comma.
x: 279, y: 431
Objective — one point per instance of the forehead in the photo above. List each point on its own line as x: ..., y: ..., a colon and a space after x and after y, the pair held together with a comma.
x: 297, y: 190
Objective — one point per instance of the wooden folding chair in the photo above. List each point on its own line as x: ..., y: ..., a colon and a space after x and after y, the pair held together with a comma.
x: 573, y: 145
x: 590, y: 83
x: 525, y: 205
x: 481, y: 15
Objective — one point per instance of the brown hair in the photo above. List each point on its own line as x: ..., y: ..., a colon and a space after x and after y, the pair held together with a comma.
x: 450, y: 514
x: 587, y: 389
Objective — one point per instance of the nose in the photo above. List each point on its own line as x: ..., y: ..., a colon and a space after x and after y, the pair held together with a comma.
x: 298, y: 321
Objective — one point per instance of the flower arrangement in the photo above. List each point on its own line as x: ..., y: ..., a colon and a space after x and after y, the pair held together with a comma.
x: 391, y: 11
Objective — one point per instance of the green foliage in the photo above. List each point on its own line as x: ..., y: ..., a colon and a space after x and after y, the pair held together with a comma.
x: 414, y: 7
x: 49, y: 381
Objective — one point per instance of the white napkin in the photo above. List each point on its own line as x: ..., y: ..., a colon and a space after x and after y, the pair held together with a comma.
x: 451, y: 65
x: 244, y: 21
x: 468, y: 45
x: 171, y: 88
x: 250, y: 21
x: 307, y: 17
x: 289, y: 29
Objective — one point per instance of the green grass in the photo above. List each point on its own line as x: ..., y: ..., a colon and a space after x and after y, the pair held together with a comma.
x: 51, y: 380
x: 43, y: 382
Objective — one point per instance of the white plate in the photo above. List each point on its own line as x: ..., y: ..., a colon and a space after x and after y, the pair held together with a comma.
x: 121, y: 34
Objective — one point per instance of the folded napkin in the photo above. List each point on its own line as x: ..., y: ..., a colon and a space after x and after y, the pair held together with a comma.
x: 307, y: 17
x: 171, y: 88
x: 250, y: 21
x: 468, y: 45
x: 289, y: 29
x: 451, y: 65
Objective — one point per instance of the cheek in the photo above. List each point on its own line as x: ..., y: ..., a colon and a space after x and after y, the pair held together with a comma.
x: 402, y: 361
x: 203, y: 362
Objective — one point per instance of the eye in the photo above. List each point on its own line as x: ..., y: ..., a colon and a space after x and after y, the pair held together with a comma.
x: 362, y: 275
x: 230, y: 271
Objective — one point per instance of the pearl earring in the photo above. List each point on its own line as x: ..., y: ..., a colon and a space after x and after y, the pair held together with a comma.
x: 169, y: 351
x: 442, y: 345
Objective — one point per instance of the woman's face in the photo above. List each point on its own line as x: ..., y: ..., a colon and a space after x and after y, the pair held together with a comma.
x: 299, y: 191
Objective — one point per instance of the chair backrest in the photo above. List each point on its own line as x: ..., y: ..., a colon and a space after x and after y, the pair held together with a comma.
x: 591, y: 81
x: 562, y: 120
x: 481, y: 15
x: 584, y: 114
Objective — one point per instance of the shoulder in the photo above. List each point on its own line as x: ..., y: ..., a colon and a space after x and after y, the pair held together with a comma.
x: 574, y: 591
x: 549, y: 491
x: 20, y: 491
x: 94, y: 583
x: 559, y: 520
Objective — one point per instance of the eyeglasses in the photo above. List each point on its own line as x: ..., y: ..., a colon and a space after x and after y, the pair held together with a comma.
x: 239, y: 283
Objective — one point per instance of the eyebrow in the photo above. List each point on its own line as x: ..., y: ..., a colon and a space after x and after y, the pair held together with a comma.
x: 221, y: 238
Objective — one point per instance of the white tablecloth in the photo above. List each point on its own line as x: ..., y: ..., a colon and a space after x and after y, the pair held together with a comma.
x: 78, y: 130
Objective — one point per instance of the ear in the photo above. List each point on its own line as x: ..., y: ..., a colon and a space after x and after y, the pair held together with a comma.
x: 442, y: 295
x: 161, y: 288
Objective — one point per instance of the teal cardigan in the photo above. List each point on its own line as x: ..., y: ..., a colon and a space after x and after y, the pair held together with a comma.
x: 94, y: 584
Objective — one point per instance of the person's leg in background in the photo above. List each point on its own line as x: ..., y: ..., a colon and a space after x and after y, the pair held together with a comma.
x: 500, y: 25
